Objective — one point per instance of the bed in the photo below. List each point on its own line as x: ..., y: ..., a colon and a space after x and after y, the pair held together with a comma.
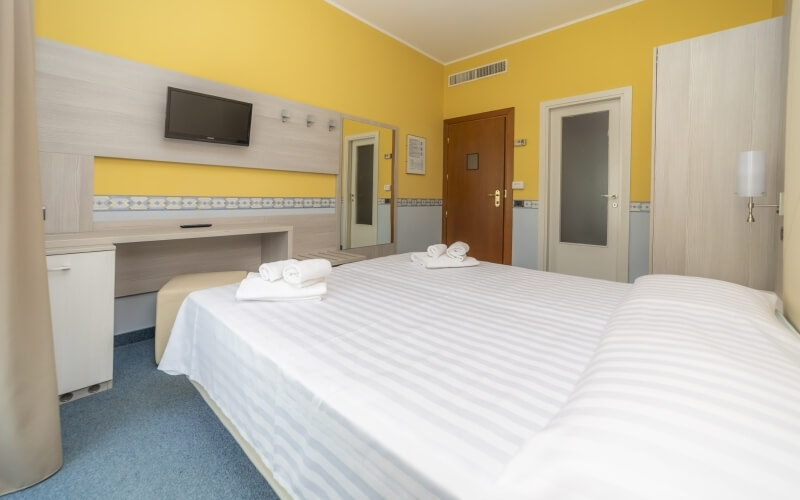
x: 501, y: 382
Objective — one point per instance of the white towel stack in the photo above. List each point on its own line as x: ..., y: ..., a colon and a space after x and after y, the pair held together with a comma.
x: 273, y: 271
x: 307, y: 272
x: 286, y: 281
x: 441, y: 256
x: 437, y: 250
x: 457, y: 250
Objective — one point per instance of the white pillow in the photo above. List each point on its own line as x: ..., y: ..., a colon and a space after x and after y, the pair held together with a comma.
x: 688, y: 396
x: 708, y: 293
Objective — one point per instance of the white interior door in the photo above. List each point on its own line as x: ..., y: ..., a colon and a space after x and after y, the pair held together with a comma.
x: 362, y: 196
x: 585, y: 204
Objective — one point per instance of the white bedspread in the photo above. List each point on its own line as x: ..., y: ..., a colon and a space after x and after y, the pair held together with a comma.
x: 402, y: 382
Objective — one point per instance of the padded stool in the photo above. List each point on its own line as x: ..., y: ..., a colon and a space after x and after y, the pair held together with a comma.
x: 172, y: 294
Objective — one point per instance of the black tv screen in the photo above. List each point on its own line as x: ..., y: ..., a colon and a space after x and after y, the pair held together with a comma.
x: 202, y: 117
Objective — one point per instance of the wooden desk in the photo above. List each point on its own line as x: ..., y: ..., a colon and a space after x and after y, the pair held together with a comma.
x: 146, y: 258
x: 84, y: 269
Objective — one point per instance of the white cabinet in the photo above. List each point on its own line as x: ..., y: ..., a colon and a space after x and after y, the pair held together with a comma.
x: 81, y: 284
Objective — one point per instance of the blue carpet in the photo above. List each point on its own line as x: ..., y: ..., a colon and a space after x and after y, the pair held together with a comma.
x: 150, y: 436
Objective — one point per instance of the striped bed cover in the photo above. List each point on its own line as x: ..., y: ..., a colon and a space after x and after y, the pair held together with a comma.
x: 402, y: 383
x: 693, y: 393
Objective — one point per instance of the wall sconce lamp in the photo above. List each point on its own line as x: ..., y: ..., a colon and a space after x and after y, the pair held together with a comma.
x: 752, y: 181
x: 331, y: 125
x: 285, y: 115
x: 310, y: 120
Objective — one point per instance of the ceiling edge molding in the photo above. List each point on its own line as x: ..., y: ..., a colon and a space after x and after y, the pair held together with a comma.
x: 548, y: 30
x: 381, y: 30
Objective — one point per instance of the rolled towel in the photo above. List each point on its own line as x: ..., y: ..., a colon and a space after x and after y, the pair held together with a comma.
x: 254, y: 287
x: 273, y: 271
x: 442, y: 261
x: 457, y: 250
x: 437, y: 250
x: 306, y: 272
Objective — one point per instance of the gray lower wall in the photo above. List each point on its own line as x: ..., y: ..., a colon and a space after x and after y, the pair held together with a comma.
x: 384, y: 223
x: 638, y: 245
x: 417, y: 228
x: 525, y: 240
x: 134, y: 312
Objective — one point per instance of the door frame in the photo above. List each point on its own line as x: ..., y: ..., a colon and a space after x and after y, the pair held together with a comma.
x: 347, y: 179
x: 624, y: 96
x: 508, y: 173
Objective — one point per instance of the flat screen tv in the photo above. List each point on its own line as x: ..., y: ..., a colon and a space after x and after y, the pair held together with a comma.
x: 202, y: 117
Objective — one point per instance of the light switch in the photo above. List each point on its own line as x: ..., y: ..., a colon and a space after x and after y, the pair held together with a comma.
x: 518, y: 185
x: 387, y: 187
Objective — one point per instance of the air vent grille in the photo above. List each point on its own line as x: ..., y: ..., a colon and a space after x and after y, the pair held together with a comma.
x: 477, y: 73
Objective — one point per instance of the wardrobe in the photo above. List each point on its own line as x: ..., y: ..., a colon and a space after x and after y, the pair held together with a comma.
x: 714, y: 97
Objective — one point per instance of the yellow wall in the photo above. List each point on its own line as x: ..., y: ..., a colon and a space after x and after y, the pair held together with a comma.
x: 132, y: 177
x: 385, y: 146
x: 304, y: 50
x: 609, y: 51
x: 310, y: 52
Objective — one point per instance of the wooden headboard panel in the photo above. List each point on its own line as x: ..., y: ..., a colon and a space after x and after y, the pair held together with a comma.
x: 99, y: 105
x: 91, y: 104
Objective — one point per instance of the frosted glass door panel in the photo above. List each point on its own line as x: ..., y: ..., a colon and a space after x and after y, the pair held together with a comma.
x: 364, y: 195
x: 584, y: 179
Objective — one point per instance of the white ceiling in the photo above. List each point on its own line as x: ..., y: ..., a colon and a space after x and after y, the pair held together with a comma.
x: 451, y: 30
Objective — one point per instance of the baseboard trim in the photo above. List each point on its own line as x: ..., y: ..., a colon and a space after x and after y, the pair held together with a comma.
x: 134, y: 336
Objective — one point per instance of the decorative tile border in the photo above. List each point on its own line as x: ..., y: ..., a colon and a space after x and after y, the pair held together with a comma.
x: 116, y: 203
x: 635, y: 206
x: 418, y: 202
x: 526, y: 204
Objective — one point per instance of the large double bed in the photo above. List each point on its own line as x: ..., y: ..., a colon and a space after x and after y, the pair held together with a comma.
x: 500, y: 382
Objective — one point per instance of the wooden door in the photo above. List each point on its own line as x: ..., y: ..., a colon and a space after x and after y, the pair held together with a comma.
x: 478, y: 172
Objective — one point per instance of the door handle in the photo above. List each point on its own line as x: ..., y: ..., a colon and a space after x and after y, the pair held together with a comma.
x: 496, y: 195
x: 613, y: 199
x: 59, y: 268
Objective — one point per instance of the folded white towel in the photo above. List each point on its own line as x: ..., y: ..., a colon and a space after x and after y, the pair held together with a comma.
x: 437, y: 250
x: 273, y: 271
x: 457, y: 250
x: 254, y: 287
x: 441, y: 262
x: 305, y: 272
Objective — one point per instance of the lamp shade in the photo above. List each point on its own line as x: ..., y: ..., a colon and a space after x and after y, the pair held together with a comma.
x: 752, y: 174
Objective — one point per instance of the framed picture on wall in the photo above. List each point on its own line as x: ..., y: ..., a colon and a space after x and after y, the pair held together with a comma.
x: 415, y: 155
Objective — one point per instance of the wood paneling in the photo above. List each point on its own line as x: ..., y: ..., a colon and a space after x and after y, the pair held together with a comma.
x: 146, y: 266
x: 716, y: 96
x: 67, y: 184
x: 99, y: 105
x: 791, y: 242
x: 668, y: 207
x: 310, y: 232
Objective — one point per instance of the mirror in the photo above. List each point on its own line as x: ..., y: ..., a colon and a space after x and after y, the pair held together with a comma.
x: 366, y: 183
